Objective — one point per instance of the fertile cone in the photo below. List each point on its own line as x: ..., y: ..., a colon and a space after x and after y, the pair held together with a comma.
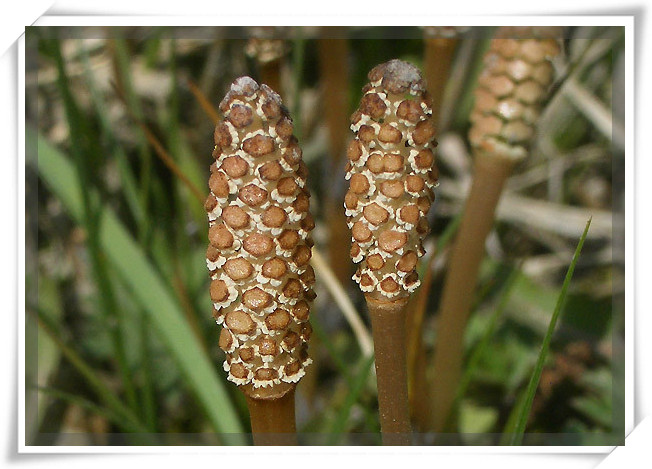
x: 511, y: 89
x: 392, y: 173
x: 259, y: 251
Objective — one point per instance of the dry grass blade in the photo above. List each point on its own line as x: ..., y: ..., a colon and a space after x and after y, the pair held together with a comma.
x: 557, y: 218
x: 595, y: 111
x: 205, y: 104
x: 334, y: 287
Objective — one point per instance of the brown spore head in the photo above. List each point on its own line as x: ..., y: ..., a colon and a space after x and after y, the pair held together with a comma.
x: 259, y: 241
x: 391, y: 173
x: 511, y: 90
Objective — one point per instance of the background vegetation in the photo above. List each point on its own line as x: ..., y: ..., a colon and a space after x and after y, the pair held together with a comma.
x: 122, y: 346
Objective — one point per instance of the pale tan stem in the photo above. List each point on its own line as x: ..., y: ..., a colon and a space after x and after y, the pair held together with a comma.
x: 439, y: 54
x: 273, y: 420
x: 467, y: 253
x: 388, y: 325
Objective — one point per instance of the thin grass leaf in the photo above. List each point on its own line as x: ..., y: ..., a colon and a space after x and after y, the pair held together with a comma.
x: 128, y: 420
x: 121, y: 63
x: 148, y: 288
x: 147, y: 392
x: 136, y: 439
x: 130, y: 192
x: 177, y: 145
x: 340, y: 359
x: 479, y: 350
x: 510, y: 426
x: 83, y: 149
x: 340, y: 422
x: 516, y: 436
x: 162, y: 153
x: 340, y: 362
x: 105, y: 412
x: 127, y: 179
x: 203, y: 101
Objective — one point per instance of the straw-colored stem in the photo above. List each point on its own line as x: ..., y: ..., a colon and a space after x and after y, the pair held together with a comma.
x: 467, y: 253
x: 273, y: 420
x: 439, y: 54
x: 388, y: 324
x: 343, y: 301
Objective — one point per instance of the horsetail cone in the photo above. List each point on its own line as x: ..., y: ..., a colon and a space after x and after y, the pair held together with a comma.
x: 392, y: 173
x: 259, y: 244
x: 264, y: 45
x: 511, y: 90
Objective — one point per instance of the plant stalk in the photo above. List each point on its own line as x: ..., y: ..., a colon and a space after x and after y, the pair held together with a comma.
x: 388, y: 325
x: 467, y: 253
x: 273, y: 420
x: 270, y: 74
x: 416, y: 353
x: 333, y: 49
x: 439, y: 55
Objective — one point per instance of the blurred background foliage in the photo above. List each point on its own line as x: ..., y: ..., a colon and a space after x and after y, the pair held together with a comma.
x: 122, y: 348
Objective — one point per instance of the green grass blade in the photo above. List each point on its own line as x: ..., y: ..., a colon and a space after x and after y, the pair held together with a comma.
x: 479, y: 350
x: 341, y: 360
x: 339, y: 424
x: 147, y: 393
x: 136, y: 438
x: 105, y: 412
x: 101, y: 105
x: 338, y: 360
x: 122, y: 62
x: 516, y: 437
x: 148, y: 288
x: 129, y: 421
x: 84, y: 152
